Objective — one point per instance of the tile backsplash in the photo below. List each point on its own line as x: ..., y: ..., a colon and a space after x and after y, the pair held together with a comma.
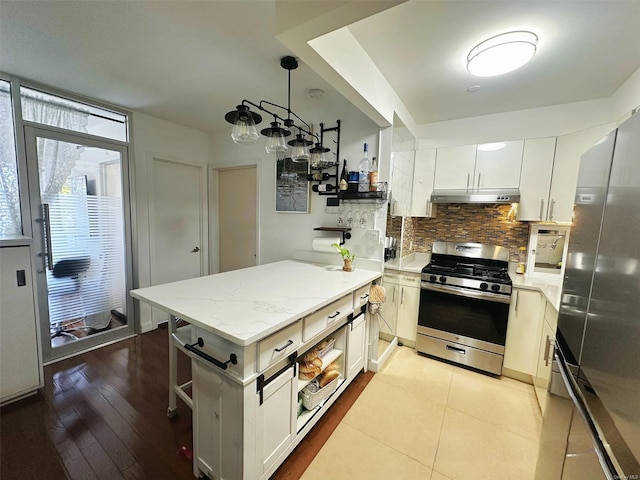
x: 486, y: 224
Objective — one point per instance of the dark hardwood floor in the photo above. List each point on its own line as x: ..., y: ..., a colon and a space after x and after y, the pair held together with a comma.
x: 102, y: 415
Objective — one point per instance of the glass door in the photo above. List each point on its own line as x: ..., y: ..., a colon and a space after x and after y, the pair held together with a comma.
x: 79, y: 208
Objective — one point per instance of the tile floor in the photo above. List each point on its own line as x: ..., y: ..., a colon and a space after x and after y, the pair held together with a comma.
x: 423, y: 419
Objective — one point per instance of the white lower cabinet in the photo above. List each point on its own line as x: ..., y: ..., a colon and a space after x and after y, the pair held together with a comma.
x: 389, y: 309
x: 408, y: 305
x: 523, y: 327
x: 20, y: 365
x: 245, y: 421
x: 276, y: 417
x: 400, y: 309
x: 545, y: 355
x: 356, y: 331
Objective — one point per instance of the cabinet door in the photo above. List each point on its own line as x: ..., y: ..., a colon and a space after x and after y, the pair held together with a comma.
x: 356, y: 345
x: 523, y: 330
x: 543, y: 368
x: 455, y: 167
x: 276, y: 422
x: 408, y: 305
x: 569, y: 150
x: 499, y: 168
x: 20, y: 369
x: 389, y: 309
x: 537, y: 166
x: 401, y: 181
x: 423, y: 176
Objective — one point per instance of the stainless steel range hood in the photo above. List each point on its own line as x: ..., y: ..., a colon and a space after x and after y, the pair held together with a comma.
x: 508, y: 195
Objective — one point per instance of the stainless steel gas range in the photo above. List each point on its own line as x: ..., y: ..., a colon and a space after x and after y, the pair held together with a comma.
x: 464, y: 305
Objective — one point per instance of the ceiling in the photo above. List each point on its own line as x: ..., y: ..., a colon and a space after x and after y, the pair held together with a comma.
x: 190, y: 62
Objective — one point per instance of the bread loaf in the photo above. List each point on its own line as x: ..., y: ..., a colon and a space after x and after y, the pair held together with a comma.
x: 308, y: 367
x: 332, y: 366
x: 327, y: 377
x: 307, y: 376
x: 310, y: 355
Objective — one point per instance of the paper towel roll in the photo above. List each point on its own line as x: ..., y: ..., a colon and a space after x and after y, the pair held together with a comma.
x: 323, y: 244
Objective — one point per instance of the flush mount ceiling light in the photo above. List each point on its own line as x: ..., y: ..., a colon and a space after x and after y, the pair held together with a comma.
x: 502, y: 53
x: 244, y: 123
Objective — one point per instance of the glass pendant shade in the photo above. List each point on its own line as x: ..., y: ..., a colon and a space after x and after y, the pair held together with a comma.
x: 300, y: 150
x: 502, y: 53
x: 244, y: 121
x: 275, y: 138
x: 244, y: 131
x: 318, y: 155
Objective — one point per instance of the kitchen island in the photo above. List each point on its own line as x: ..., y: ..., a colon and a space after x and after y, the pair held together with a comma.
x: 250, y: 328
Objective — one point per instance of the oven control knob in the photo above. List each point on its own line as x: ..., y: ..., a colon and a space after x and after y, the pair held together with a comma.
x: 433, y: 278
x: 484, y: 286
x: 495, y: 287
x: 443, y: 279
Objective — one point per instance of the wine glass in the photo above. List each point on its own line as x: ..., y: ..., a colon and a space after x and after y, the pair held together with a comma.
x: 349, y: 218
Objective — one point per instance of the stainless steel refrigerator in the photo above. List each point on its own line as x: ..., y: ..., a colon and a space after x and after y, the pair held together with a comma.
x: 591, y: 426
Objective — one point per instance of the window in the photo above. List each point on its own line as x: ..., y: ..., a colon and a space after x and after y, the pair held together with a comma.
x: 10, y: 218
x: 56, y: 111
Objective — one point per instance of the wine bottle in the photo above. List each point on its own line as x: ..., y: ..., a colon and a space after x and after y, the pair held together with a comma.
x: 317, y: 176
x: 373, y: 175
x: 323, y: 187
x: 344, y: 177
x: 365, y: 167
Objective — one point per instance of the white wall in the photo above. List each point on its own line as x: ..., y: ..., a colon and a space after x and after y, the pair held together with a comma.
x: 532, y: 123
x: 625, y: 99
x: 282, y: 233
x: 154, y: 137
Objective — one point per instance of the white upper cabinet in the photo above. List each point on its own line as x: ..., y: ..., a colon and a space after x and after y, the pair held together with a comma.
x: 423, y: 175
x: 470, y: 168
x: 498, y: 168
x: 537, y: 167
x: 455, y: 167
x: 550, y: 173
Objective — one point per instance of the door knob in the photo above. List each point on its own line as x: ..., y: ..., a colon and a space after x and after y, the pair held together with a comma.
x: 195, y: 250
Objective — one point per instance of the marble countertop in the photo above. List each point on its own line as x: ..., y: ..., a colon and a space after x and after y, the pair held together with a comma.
x: 246, y: 305
x: 413, y: 263
x: 551, y: 288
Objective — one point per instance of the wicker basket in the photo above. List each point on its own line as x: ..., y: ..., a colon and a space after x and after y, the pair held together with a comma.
x: 311, y: 400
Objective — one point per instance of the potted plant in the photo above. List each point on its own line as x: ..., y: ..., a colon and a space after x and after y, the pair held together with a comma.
x: 347, y: 257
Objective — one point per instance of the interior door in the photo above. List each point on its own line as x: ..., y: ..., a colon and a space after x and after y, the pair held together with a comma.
x: 80, y: 213
x: 177, y: 221
x: 237, y: 195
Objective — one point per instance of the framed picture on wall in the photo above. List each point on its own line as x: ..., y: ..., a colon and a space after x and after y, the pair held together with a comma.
x: 292, y: 187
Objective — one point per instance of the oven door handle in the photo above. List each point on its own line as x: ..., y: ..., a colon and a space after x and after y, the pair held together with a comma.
x: 464, y: 292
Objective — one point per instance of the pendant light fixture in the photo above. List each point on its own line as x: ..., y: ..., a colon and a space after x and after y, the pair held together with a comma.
x: 244, y: 123
x: 300, y: 150
x: 318, y: 156
x: 275, y: 138
x: 502, y: 53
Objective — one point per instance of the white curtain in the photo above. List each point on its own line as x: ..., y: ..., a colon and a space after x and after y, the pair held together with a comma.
x: 10, y: 222
x: 55, y: 159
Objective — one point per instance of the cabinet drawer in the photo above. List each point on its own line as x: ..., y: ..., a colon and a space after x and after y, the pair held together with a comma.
x: 410, y: 280
x: 361, y: 296
x: 279, y: 345
x: 321, y: 319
